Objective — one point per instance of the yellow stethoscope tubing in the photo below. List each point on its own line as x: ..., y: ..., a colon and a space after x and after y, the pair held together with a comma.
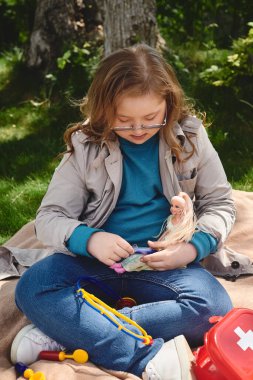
x: 103, y: 309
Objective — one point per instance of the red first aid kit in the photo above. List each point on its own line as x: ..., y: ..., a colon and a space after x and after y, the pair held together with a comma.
x: 227, y: 353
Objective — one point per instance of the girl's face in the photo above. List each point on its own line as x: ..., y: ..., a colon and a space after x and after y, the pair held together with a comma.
x: 137, y: 111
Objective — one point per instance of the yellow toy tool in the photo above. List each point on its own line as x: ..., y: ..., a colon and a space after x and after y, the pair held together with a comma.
x: 28, y: 373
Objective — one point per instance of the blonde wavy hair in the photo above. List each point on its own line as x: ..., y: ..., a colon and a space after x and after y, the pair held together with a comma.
x: 135, y: 70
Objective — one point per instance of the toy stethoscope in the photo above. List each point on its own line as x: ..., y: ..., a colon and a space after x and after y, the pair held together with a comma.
x: 107, y: 311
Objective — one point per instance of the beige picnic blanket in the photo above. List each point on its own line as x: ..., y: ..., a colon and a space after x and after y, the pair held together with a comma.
x: 12, y: 320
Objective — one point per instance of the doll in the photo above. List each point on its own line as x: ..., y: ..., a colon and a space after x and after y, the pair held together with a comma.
x: 181, y: 224
x: 179, y: 227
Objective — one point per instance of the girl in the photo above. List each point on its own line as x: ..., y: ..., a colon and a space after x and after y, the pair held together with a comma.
x: 139, y: 145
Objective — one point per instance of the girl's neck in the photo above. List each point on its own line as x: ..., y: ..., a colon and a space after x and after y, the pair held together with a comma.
x: 146, y: 145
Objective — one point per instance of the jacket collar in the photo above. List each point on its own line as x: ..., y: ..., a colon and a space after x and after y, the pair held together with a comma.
x: 190, y: 124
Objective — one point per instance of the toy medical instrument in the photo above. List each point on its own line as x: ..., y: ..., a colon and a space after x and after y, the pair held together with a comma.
x: 227, y: 353
x: 107, y: 312
x: 143, y: 250
x: 125, y: 302
x: 120, y: 302
x: 28, y: 373
x: 133, y: 262
x: 79, y: 356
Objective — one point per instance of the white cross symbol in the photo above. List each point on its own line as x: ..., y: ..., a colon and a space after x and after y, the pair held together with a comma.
x: 246, y: 340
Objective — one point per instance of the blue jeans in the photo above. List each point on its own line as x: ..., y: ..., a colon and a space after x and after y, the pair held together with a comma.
x: 170, y: 303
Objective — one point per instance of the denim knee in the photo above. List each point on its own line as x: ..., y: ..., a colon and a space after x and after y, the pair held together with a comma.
x: 23, y: 290
x: 204, y: 308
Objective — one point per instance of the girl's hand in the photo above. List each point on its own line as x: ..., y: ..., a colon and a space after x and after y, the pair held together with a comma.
x: 169, y: 256
x: 108, y: 248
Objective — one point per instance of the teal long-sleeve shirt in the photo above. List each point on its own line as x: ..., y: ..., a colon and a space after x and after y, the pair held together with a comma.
x: 141, y: 208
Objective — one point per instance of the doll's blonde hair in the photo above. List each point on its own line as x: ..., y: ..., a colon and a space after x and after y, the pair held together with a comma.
x: 184, y: 229
x: 135, y: 70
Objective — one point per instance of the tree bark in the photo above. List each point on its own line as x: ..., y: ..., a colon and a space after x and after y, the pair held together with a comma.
x: 56, y: 23
x: 127, y: 22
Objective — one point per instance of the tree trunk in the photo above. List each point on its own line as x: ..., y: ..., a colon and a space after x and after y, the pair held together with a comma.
x: 56, y: 23
x: 127, y: 22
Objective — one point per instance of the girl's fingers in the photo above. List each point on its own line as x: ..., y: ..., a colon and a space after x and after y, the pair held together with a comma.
x: 121, y: 252
x: 109, y: 262
x: 112, y: 259
x: 157, y: 244
x: 116, y: 256
x: 153, y: 257
x: 125, y: 246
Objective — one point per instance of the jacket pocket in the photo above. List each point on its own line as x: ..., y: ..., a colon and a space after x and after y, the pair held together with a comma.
x: 187, y: 182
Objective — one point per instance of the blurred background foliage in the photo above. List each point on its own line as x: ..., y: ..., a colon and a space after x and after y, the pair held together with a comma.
x: 210, y: 45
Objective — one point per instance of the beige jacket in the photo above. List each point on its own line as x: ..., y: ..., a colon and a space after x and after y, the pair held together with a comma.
x: 86, y: 185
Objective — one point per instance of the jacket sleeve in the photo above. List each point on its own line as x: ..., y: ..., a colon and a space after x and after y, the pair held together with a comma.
x: 63, y: 203
x: 214, y: 205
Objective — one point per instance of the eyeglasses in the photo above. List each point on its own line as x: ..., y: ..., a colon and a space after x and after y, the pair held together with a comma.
x: 143, y: 127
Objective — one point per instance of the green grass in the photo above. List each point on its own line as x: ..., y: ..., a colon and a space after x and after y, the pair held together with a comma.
x: 29, y: 143
x: 18, y: 203
x: 235, y: 148
x: 31, y: 129
x: 231, y: 132
x: 32, y: 125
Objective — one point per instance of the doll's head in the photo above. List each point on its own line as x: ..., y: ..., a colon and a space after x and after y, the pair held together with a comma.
x: 181, y: 204
x: 178, y: 205
x: 183, y: 220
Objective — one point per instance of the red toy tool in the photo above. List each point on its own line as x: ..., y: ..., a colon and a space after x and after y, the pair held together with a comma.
x: 227, y: 353
x: 125, y: 302
x: 80, y: 356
